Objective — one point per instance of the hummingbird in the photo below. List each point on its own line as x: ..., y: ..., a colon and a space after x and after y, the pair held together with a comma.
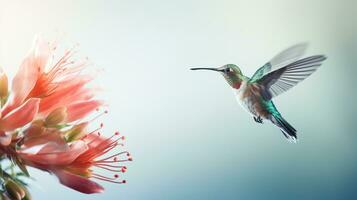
x: 281, y: 73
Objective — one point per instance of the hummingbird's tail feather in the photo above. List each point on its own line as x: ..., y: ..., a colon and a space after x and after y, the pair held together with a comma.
x: 288, y: 130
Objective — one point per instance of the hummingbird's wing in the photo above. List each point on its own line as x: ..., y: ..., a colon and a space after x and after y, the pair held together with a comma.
x: 282, y: 59
x: 284, y: 78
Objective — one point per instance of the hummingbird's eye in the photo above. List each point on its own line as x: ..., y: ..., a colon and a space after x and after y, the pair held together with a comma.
x: 228, y: 69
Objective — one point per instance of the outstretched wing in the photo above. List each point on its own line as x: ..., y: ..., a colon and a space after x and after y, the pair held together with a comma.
x: 282, y: 59
x: 284, y: 78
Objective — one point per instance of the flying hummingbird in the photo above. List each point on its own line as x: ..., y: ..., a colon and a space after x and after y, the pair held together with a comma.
x: 278, y: 75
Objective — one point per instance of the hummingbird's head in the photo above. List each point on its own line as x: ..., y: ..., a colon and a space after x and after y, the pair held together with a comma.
x: 230, y: 72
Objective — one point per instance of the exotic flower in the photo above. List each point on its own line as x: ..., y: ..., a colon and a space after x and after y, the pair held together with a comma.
x: 43, y: 125
x: 56, y: 82
x: 74, y: 162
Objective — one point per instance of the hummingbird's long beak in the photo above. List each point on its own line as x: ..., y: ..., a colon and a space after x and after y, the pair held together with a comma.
x: 212, y: 69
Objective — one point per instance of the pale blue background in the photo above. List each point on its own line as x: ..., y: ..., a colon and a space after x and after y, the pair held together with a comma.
x: 188, y: 136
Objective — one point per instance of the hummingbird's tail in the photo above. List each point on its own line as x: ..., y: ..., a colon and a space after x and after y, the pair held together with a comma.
x: 288, y: 131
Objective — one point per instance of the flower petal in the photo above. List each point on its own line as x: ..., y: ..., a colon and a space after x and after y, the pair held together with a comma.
x: 41, y: 53
x: 30, y: 69
x: 22, y: 84
x: 65, y: 94
x: 50, y: 141
x: 79, y: 183
x: 20, y: 116
x: 93, y: 140
x: 24, y: 80
x: 54, y: 157
x: 80, y: 109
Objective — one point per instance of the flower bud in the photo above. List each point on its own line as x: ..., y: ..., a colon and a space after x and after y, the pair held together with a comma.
x: 34, y: 130
x: 3, y: 86
x: 76, y: 132
x: 27, y: 195
x: 56, y: 117
x: 39, y: 122
x: 15, y: 191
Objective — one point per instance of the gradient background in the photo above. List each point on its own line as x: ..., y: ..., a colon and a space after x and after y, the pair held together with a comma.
x: 188, y: 136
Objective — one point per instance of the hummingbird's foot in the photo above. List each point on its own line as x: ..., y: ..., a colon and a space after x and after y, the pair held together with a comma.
x: 258, y: 119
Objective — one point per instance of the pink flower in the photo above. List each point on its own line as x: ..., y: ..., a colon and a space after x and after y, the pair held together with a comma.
x: 57, y: 82
x: 41, y: 122
x: 74, y: 162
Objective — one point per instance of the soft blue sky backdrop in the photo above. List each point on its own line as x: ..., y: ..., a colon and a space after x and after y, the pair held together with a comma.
x: 188, y: 136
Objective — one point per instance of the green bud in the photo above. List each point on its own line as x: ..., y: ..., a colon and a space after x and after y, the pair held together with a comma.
x: 27, y: 195
x: 76, y: 132
x: 3, y: 86
x: 15, y: 191
x: 56, y: 117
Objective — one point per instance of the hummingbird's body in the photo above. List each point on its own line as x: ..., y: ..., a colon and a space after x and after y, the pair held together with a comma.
x: 275, y: 77
x: 248, y: 96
